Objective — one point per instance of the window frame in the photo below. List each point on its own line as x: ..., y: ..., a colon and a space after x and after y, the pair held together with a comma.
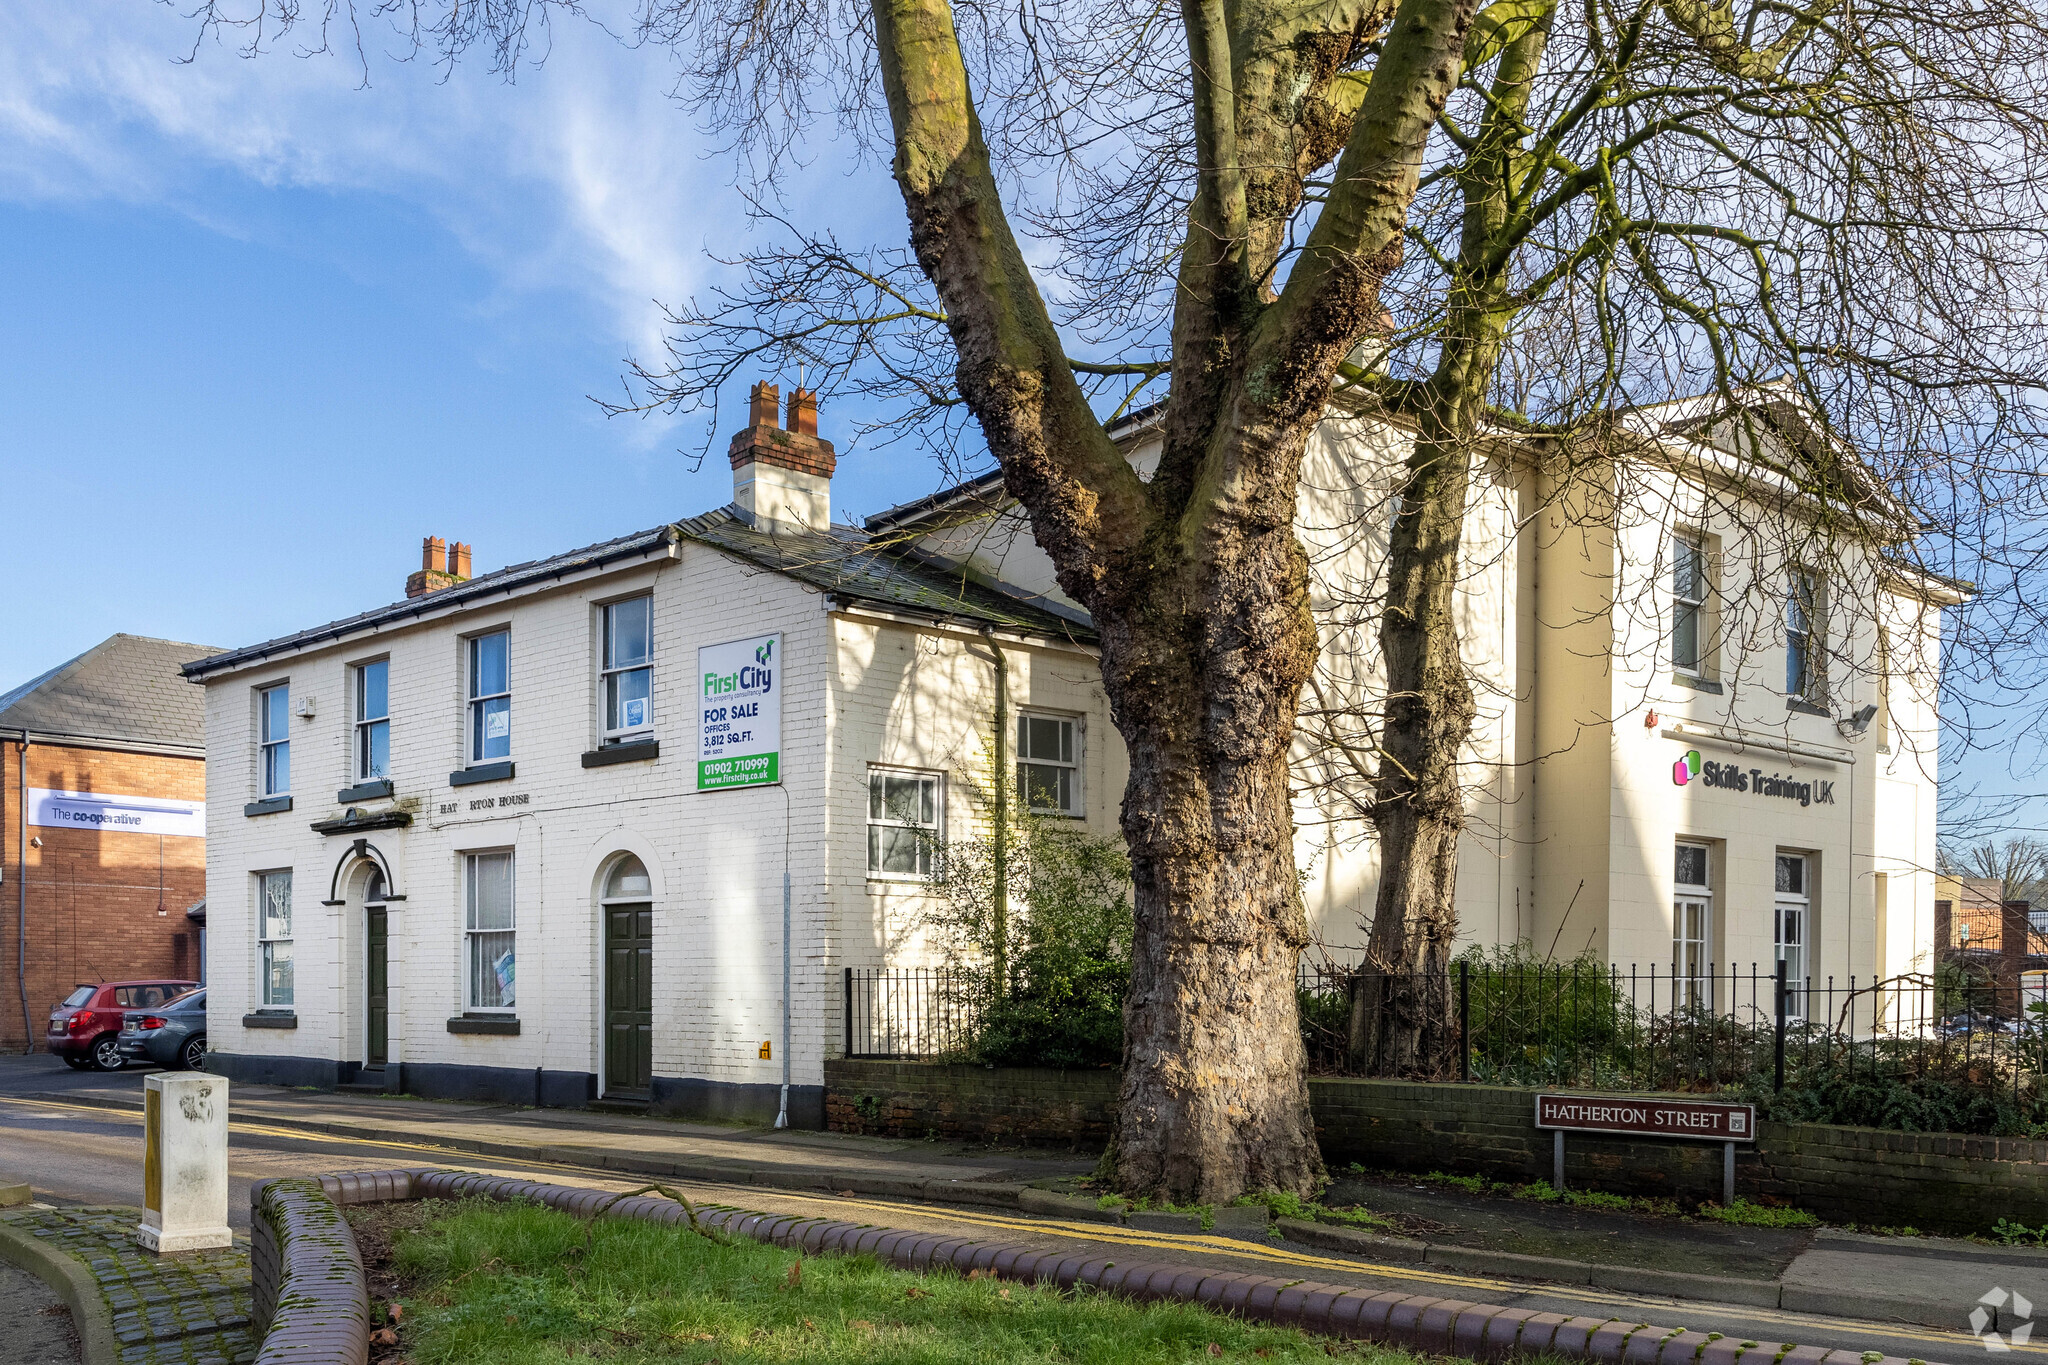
x: 475, y: 713
x: 1078, y: 809
x: 1808, y: 682
x: 608, y: 673
x: 1799, y: 904
x: 1692, y: 609
x: 267, y: 941
x: 1692, y: 955
x: 268, y: 746
x: 936, y: 827
x: 366, y: 725
x: 470, y: 933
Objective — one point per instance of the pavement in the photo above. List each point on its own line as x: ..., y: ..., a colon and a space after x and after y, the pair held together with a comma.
x: 76, y: 1137
x: 38, y: 1324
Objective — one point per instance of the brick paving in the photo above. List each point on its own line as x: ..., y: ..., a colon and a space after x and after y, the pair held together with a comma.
x: 188, y: 1309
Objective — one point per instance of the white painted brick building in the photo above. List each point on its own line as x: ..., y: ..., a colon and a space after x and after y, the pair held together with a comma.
x: 886, y: 663
x: 441, y: 918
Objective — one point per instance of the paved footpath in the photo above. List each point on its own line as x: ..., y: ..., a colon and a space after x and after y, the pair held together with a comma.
x: 38, y: 1324
x: 188, y: 1309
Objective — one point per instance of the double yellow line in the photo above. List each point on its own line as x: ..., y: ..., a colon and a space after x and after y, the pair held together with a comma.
x: 1627, y: 1306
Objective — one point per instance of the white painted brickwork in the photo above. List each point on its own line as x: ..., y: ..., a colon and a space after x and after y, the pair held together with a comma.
x: 858, y: 689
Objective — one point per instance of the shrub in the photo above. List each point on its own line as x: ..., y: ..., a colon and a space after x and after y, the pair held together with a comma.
x: 1066, y: 941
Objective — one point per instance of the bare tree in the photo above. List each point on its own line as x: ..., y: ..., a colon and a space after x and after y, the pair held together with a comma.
x: 2017, y: 868
x: 1509, y: 223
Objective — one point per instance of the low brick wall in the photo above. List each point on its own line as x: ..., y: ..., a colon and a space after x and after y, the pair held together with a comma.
x: 1038, y: 1107
x: 1936, y: 1182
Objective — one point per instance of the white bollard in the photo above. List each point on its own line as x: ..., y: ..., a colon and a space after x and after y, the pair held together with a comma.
x: 184, y: 1163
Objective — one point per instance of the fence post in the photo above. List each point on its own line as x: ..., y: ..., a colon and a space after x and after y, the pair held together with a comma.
x: 849, y: 1011
x: 1464, y: 1020
x: 1778, y: 1059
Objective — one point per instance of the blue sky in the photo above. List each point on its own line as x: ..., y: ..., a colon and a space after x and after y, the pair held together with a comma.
x: 266, y: 329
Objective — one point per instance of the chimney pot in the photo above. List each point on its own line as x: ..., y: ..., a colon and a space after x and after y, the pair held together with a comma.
x: 782, y: 478
x: 803, y: 412
x: 443, y: 564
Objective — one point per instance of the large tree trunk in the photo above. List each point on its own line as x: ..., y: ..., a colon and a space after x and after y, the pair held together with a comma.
x: 1205, y: 682
x: 1197, y: 584
x: 1401, y: 1006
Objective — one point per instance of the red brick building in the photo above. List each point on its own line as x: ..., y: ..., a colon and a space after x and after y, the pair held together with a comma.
x: 102, y: 827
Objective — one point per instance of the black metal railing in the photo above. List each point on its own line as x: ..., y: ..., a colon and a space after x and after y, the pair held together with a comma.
x: 908, y: 1013
x: 1638, y: 1028
x: 1750, y: 1028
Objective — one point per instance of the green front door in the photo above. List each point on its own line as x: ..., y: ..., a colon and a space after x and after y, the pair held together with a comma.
x: 628, y: 999
x: 380, y: 988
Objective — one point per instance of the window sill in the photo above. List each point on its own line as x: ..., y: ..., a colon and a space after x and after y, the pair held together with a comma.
x: 269, y: 1019
x: 482, y: 772
x: 637, y: 751
x: 500, y: 1025
x: 269, y: 805
x: 363, y: 791
x: 1696, y: 684
x: 900, y: 880
x: 1806, y: 708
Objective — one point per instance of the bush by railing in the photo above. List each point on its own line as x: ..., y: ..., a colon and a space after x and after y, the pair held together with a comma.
x: 1956, y: 1051
x: 1948, y: 1052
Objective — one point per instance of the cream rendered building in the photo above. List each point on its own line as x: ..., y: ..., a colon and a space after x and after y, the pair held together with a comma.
x: 482, y: 842
x: 1645, y: 615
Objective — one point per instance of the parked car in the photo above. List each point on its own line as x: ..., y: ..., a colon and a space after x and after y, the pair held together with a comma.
x: 172, y: 1035
x: 85, y: 1030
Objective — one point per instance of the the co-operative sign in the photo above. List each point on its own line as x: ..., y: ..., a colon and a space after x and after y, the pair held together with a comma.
x: 1705, y: 1120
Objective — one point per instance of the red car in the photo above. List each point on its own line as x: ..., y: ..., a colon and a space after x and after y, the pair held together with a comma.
x: 86, y: 1029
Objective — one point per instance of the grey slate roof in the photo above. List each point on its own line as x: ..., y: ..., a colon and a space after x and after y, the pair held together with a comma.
x: 125, y: 688
x: 475, y: 589
x: 842, y: 561
x: 847, y: 564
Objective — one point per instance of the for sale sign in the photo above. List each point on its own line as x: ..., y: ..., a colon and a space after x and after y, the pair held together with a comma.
x: 739, y: 716
x: 1707, y: 1120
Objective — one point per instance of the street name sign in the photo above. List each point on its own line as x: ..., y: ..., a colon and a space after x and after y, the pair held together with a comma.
x: 1704, y: 1120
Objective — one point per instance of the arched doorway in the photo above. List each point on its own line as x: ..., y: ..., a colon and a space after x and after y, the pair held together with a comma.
x: 377, y: 970
x: 628, y: 909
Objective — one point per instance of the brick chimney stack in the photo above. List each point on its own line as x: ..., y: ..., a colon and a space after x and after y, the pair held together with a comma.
x: 443, y: 564
x: 782, y: 475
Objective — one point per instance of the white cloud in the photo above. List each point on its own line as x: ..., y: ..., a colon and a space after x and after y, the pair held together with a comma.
x: 583, y: 175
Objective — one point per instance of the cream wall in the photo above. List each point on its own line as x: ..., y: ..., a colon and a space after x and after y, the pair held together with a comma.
x: 921, y: 695
x: 1563, y: 615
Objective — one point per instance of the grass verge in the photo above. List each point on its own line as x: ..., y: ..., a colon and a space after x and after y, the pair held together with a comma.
x: 518, y: 1284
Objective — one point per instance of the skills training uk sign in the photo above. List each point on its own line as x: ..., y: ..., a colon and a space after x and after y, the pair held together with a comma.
x: 739, y: 719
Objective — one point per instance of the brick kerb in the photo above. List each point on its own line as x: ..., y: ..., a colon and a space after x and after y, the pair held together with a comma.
x: 292, y: 1213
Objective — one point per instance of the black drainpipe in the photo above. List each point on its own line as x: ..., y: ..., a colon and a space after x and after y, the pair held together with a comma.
x: 28, y: 1030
